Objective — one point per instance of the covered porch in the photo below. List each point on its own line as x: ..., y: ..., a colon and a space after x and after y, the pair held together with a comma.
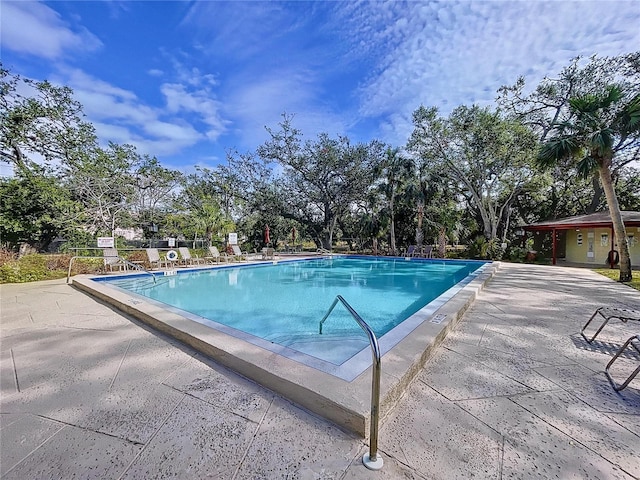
x: 589, y: 239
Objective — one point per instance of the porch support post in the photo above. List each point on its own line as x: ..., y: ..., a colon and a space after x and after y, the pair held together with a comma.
x: 611, y: 256
x: 553, y: 248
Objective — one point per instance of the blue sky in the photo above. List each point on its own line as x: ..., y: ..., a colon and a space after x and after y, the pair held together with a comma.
x: 186, y: 81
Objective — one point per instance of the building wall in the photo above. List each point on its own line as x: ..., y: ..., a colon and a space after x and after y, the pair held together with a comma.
x: 129, y: 233
x: 580, y: 243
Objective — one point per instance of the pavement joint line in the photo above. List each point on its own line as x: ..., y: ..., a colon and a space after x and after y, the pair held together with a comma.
x: 15, y: 371
x: 255, y: 434
x: 615, y: 420
x: 170, y: 374
x: 491, y: 368
x: 490, y: 427
x: 120, y: 365
x: 500, y: 456
x: 35, y: 449
x: 56, y: 293
x: 603, y: 412
x: 222, y: 407
x: 484, y: 329
x: 578, y: 442
x: 152, y: 437
x: 497, y: 308
x: 87, y: 429
x: 84, y: 328
x: 406, y: 460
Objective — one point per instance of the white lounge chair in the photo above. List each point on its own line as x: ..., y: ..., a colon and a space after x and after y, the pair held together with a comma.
x: 215, y: 255
x: 113, y: 260
x: 153, y: 256
x: 238, y: 254
x: 187, y: 259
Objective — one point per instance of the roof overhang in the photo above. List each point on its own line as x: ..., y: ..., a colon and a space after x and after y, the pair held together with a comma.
x: 594, y: 220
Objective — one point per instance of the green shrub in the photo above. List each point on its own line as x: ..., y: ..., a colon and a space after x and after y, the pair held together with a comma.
x: 486, y: 249
x: 34, y: 267
x: 517, y: 254
x: 27, y: 269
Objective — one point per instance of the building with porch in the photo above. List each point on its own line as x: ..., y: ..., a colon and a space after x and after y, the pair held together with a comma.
x: 589, y: 239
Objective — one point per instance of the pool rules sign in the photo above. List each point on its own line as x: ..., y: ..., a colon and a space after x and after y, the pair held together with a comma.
x: 106, y: 242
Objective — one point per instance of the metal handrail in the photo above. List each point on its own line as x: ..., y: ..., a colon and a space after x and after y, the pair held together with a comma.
x: 134, y: 265
x: 139, y: 268
x: 372, y: 461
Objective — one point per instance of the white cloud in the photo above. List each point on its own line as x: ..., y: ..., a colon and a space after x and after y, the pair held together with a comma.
x: 261, y: 102
x: 189, y: 115
x: 35, y: 29
x: 201, y: 102
x: 460, y: 52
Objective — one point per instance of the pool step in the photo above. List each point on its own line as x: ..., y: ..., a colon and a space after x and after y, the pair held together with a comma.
x: 288, y: 339
x: 333, y: 348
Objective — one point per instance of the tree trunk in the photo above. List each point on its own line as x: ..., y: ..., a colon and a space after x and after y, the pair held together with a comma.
x: 419, y: 234
x: 393, y: 228
x: 597, y: 195
x: 618, y: 224
x: 442, y: 242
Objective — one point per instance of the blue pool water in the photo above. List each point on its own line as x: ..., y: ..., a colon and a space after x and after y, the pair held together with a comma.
x: 283, y: 303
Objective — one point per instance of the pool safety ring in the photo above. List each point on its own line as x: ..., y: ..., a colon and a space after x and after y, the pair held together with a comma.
x: 172, y: 255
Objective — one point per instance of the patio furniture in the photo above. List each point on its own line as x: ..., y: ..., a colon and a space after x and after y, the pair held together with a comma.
x: 215, y: 255
x: 630, y: 342
x: 153, y: 255
x: 412, y: 251
x: 113, y: 260
x: 607, y: 313
x: 427, y: 251
x: 238, y: 254
x: 187, y: 259
x: 268, y: 253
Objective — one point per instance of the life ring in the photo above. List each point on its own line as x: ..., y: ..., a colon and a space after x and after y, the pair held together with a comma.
x: 613, y: 258
x: 172, y: 255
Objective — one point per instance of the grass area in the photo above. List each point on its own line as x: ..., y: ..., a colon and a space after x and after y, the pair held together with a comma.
x: 614, y: 274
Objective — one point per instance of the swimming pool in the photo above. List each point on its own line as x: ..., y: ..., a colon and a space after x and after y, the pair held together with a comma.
x: 281, y: 305
x: 340, y: 393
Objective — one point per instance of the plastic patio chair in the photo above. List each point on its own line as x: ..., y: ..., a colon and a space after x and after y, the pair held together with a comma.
x: 153, y: 255
x: 215, y: 255
x: 187, y: 259
x: 113, y: 260
x: 238, y: 254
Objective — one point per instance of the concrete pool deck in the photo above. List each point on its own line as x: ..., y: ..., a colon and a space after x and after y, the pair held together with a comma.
x: 513, y: 391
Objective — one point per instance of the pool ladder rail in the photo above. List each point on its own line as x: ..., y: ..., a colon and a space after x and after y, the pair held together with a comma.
x: 371, y: 460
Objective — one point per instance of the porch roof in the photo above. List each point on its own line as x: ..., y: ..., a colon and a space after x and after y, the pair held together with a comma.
x: 593, y: 220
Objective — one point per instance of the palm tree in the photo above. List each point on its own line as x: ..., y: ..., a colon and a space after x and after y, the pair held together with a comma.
x: 597, y: 127
x: 395, y: 169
